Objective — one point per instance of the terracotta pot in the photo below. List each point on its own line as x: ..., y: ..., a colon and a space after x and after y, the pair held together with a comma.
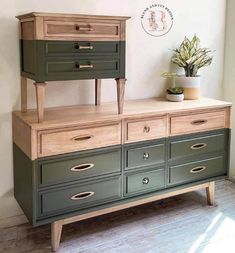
x: 191, y: 86
x: 175, y: 97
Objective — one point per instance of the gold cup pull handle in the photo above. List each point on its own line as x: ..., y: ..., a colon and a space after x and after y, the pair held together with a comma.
x: 198, y: 169
x: 82, y: 195
x: 82, y: 138
x: 82, y: 167
x: 199, y: 122
x: 198, y: 146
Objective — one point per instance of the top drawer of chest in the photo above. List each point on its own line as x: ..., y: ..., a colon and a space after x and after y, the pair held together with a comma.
x: 197, y: 121
x: 81, y: 29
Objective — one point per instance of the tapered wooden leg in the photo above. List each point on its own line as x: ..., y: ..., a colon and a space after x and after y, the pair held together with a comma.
x: 97, y: 91
x: 23, y: 94
x: 210, y: 192
x: 56, y: 230
x: 40, y: 96
x: 120, y: 94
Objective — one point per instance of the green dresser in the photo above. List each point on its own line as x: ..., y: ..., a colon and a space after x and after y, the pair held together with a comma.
x: 96, y: 168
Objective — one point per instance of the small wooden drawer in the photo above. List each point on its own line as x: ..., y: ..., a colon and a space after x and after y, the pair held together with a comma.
x: 196, y: 122
x: 81, y: 30
x: 78, y: 197
x: 139, y: 156
x: 71, y: 140
x: 145, y: 181
x: 148, y: 129
x: 72, y: 69
x: 194, y: 171
x: 61, y: 170
x: 82, y: 48
x: 197, y: 145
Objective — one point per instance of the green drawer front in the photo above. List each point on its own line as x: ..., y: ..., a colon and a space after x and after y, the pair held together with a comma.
x: 194, y: 171
x: 197, y: 146
x: 74, y: 48
x: 81, y: 69
x: 79, y: 167
x: 79, y: 197
x: 144, y: 156
x: 145, y: 181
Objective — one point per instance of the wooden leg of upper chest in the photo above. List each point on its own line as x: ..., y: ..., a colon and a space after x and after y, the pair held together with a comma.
x: 23, y: 94
x: 40, y: 96
x: 120, y: 94
x: 97, y: 91
x: 210, y: 192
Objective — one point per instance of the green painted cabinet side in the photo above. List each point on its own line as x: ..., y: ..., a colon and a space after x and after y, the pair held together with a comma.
x: 24, y: 183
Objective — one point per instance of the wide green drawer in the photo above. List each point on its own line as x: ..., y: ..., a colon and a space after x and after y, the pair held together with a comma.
x: 77, y: 167
x: 81, y: 48
x: 72, y: 69
x: 79, y: 196
x: 194, y: 171
x: 144, y: 155
x: 197, y: 146
x: 145, y: 181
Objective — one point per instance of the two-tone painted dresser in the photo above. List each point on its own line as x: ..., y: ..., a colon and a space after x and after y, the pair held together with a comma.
x: 60, y: 47
x: 70, y: 168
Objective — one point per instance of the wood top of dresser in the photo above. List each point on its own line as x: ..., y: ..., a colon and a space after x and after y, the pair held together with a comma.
x: 65, y: 15
x: 87, y: 114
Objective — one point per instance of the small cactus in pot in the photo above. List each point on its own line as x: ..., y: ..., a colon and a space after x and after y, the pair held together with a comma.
x: 175, y: 94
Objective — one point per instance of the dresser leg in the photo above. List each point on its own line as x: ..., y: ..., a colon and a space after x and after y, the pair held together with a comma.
x: 40, y: 96
x: 23, y: 94
x: 56, y: 230
x: 97, y: 91
x: 210, y: 192
x: 120, y: 94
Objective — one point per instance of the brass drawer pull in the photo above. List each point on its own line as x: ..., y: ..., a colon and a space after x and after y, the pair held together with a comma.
x: 146, y: 156
x: 198, y: 146
x: 81, y: 138
x: 82, y: 167
x: 77, y: 46
x: 199, y: 122
x: 145, y: 180
x: 85, y: 29
x: 146, y: 129
x: 82, y: 195
x: 198, y: 169
x: 84, y: 66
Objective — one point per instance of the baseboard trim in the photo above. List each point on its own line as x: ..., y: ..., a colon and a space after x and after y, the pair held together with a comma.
x: 13, y: 221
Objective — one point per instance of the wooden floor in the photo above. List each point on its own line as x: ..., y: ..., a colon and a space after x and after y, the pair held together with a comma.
x: 182, y: 224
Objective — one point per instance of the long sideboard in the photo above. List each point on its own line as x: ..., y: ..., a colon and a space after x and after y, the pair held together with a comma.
x: 84, y: 161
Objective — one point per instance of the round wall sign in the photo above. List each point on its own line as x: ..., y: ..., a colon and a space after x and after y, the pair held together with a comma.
x: 157, y: 20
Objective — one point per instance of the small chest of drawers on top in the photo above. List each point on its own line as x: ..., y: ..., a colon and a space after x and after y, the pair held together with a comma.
x: 67, y: 168
x: 58, y: 47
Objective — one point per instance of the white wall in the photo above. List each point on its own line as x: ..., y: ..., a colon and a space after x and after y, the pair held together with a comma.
x: 229, y: 72
x: 147, y: 58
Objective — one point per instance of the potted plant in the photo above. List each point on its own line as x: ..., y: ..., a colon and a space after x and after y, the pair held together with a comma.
x: 191, y: 57
x: 175, y: 94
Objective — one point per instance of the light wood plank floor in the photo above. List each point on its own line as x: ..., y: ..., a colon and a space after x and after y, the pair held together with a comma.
x: 182, y: 224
